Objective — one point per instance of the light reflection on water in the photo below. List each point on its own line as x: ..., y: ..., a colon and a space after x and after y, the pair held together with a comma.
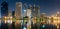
x: 24, y: 28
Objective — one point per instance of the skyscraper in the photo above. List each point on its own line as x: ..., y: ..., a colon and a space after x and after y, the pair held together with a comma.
x: 36, y: 11
x: 29, y: 13
x: 4, y: 9
x: 29, y: 10
x: 18, y: 11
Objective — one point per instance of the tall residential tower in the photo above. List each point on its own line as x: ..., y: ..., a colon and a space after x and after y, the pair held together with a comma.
x: 18, y: 11
x: 4, y: 9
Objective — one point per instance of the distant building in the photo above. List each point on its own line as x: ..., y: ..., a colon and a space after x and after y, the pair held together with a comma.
x: 4, y: 9
x: 43, y: 15
x: 29, y: 13
x: 57, y: 15
x: 18, y: 11
x: 36, y: 11
x: 13, y: 14
x: 9, y: 13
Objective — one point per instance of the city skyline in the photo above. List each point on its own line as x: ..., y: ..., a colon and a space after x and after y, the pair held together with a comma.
x: 30, y: 14
x: 46, y: 6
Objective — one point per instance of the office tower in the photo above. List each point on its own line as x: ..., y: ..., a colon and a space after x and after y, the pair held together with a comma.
x: 18, y: 11
x: 32, y: 11
x: 36, y: 11
x: 29, y: 10
x: 43, y: 15
x: 13, y: 14
x: 29, y: 13
x: 4, y: 9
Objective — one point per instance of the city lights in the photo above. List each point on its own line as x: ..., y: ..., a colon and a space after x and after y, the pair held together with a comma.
x: 43, y: 26
x: 29, y: 15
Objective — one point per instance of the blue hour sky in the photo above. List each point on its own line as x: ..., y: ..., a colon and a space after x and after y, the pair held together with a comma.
x: 46, y: 6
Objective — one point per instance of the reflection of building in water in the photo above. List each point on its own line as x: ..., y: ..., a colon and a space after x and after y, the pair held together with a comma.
x: 56, y: 19
x: 36, y: 11
x: 0, y: 22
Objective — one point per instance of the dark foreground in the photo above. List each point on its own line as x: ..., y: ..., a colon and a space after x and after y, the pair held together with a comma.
x: 24, y: 26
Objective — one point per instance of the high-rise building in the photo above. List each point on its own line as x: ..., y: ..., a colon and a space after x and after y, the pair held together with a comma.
x: 18, y: 11
x: 4, y: 9
x: 29, y: 10
x: 29, y: 13
x: 36, y: 11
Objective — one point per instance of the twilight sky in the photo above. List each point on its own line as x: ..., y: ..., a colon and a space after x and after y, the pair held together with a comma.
x: 46, y: 6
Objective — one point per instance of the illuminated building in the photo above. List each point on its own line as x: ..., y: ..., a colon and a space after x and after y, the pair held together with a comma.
x: 55, y: 19
x: 36, y: 11
x: 43, y: 17
x: 43, y: 14
x: 9, y: 13
x: 4, y: 9
x: 25, y: 9
x: 57, y: 15
x: 18, y: 11
x: 29, y: 13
